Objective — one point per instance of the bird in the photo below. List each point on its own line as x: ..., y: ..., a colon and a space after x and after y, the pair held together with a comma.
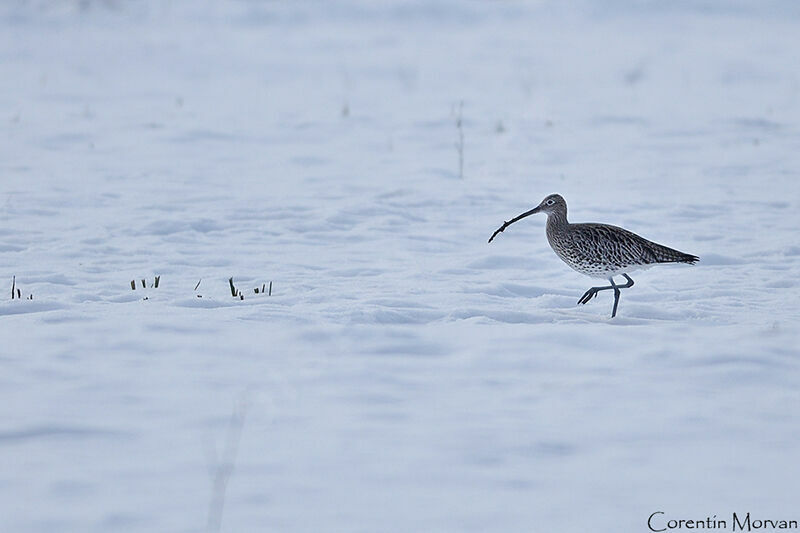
x: 599, y: 250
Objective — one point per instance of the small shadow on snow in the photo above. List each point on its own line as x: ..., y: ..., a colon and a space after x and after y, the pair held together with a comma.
x: 507, y: 317
x: 757, y: 123
x: 204, y: 303
x: 395, y: 316
x: 56, y: 432
x: 512, y: 290
x: 169, y: 227
x: 416, y: 348
x: 68, y: 317
x: 55, y: 279
x: 22, y: 307
x: 501, y: 261
x: 792, y: 251
x: 548, y: 448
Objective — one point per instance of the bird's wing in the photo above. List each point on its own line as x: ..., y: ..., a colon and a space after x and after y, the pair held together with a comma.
x: 612, y: 244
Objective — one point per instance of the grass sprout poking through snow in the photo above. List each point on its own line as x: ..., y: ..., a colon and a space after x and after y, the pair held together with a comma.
x: 196, y: 286
x: 16, y: 293
x: 153, y: 285
x: 237, y: 293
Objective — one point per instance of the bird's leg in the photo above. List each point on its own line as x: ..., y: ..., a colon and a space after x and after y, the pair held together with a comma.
x: 591, y: 293
x: 616, y: 291
x: 616, y: 297
x: 627, y: 285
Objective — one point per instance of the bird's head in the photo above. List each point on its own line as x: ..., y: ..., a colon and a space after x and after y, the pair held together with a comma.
x: 553, y: 203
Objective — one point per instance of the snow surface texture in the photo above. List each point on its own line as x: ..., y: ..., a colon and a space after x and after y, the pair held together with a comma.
x: 404, y: 375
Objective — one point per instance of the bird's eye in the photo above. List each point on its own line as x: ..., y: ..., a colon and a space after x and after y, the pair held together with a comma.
x: 550, y: 202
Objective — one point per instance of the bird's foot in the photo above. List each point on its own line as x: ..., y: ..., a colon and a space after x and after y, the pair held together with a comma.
x: 588, y: 295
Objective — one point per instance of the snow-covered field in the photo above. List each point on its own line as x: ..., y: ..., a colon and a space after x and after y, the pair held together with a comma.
x: 404, y: 375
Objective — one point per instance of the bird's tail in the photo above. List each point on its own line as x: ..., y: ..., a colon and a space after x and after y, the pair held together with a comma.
x: 664, y: 254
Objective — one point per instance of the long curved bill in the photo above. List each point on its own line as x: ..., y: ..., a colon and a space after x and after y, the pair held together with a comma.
x: 508, y: 223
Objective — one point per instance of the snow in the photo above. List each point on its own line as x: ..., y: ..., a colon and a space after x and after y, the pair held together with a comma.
x: 404, y: 375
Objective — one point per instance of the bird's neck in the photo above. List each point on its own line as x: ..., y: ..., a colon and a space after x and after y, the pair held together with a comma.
x: 556, y: 221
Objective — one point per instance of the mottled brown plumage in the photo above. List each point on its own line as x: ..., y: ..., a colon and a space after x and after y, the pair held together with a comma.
x: 599, y: 250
